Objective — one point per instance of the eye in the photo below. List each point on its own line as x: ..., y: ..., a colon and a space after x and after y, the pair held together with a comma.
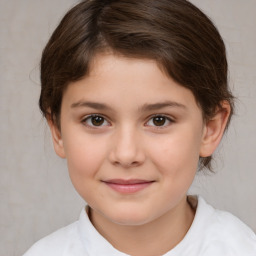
x: 159, y: 121
x: 95, y: 121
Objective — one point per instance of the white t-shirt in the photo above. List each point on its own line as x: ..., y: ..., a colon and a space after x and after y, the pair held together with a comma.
x: 212, y: 233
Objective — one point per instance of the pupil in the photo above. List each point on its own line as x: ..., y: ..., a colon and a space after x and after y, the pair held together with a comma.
x: 159, y: 121
x: 97, y: 120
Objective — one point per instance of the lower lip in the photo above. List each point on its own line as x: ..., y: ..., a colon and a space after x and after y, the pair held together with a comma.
x: 128, y: 188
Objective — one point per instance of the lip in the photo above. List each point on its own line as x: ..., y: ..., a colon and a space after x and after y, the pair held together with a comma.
x: 128, y: 186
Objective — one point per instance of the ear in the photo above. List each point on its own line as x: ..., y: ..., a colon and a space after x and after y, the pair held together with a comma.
x: 56, y: 138
x: 214, y: 129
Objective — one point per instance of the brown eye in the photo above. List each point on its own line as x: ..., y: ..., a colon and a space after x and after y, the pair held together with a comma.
x: 159, y: 120
x: 95, y: 121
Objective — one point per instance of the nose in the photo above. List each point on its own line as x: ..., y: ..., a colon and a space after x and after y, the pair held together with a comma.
x: 126, y: 148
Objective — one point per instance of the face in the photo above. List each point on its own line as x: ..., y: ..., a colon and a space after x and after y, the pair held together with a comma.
x: 132, y: 139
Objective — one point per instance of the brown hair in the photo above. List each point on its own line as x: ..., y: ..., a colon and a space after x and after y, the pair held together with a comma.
x: 175, y: 33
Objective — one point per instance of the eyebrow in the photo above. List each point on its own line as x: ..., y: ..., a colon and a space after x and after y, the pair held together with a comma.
x: 95, y: 105
x: 160, y: 105
x: 143, y: 108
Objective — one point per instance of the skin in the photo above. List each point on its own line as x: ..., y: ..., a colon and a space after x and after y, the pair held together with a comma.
x: 128, y: 142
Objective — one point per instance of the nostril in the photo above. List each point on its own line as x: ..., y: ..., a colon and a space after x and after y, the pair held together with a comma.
x: 127, y: 164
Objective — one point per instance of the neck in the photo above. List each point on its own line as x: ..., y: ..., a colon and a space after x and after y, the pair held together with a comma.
x: 169, y: 229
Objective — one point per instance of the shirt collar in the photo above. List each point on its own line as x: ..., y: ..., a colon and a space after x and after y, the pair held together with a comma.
x: 95, y: 244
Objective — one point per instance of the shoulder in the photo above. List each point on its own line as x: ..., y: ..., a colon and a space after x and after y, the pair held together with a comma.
x: 225, y: 233
x: 57, y: 243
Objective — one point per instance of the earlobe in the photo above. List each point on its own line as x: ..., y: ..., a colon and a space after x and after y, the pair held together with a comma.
x: 214, y: 130
x: 57, y: 139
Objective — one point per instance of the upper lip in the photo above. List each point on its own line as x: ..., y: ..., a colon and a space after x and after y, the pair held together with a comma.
x: 127, y: 182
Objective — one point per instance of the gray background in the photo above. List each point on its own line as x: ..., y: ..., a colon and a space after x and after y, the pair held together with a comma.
x: 35, y: 192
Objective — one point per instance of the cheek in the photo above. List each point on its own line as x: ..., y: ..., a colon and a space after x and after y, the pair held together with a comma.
x: 177, y: 155
x: 84, y: 157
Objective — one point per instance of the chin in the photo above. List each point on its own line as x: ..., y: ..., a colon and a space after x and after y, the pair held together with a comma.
x: 130, y: 221
x: 129, y: 217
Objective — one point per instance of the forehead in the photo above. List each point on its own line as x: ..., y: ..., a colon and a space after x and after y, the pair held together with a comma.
x: 107, y: 63
x: 127, y: 81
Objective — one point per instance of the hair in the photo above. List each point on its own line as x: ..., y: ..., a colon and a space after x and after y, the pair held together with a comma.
x: 174, y: 33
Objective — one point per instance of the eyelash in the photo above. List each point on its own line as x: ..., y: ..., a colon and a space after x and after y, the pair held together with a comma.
x: 166, y: 119
x: 90, y: 117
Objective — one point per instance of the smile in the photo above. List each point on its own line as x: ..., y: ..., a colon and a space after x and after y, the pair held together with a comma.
x: 128, y: 186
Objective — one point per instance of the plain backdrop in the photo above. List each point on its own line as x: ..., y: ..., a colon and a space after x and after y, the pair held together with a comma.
x: 35, y: 192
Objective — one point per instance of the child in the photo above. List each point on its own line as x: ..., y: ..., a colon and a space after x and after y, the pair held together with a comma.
x: 136, y: 97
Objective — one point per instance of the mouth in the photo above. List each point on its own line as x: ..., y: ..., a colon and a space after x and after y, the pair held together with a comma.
x: 128, y: 186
